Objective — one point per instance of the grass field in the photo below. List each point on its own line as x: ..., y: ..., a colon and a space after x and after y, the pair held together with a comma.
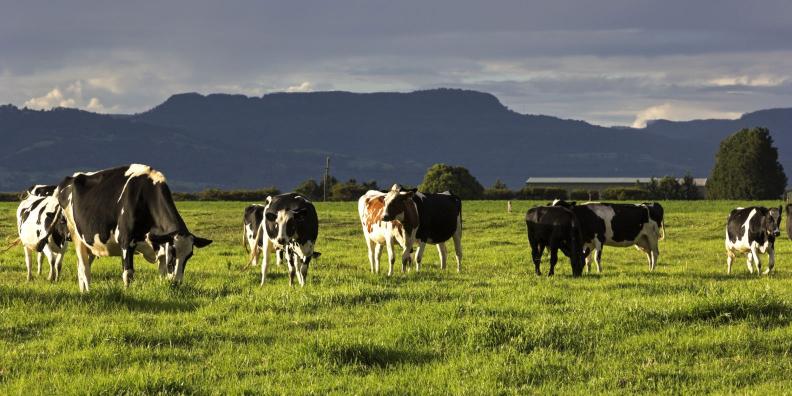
x: 494, y: 328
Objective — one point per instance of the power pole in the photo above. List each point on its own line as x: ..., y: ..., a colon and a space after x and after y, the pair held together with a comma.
x: 326, y: 177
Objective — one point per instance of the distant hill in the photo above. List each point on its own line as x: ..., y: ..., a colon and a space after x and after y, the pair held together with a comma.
x: 234, y: 141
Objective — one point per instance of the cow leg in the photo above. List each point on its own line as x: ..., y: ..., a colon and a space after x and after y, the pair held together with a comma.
x: 729, y: 260
x: 279, y: 257
x: 50, y: 260
x: 39, y: 258
x: 265, y: 252
x: 770, y: 259
x: 553, y: 260
x: 128, y: 256
x: 536, y: 256
x: 598, y: 254
x: 750, y: 262
x: 655, y: 253
x: 370, y: 248
x: 290, y: 261
x: 441, y: 249
x: 28, y: 264
x: 58, y: 264
x: 756, y: 260
x: 419, y: 255
x: 458, y: 244
x: 378, y: 256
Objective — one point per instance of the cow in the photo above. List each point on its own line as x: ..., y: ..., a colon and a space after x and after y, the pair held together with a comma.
x: 377, y: 232
x: 752, y: 230
x: 554, y: 228
x: 621, y: 225
x: 121, y: 211
x: 789, y: 224
x: 291, y: 226
x: 251, y: 237
x: 426, y: 218
x: 36, y: 215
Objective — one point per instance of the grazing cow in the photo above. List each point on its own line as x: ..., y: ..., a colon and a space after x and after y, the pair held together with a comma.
x: 555, y: 227
x: 36, y: 215
x: 371, y: 207
x: 621, y: 225
x: 292, y: 227
x: 426, y: 218
x: 753, y: 229
x: 120, y: 211
x: 252, y: 239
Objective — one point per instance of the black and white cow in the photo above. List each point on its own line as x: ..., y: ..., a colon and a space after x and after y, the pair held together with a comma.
x: 554, y: 228
x: 753, y: 230
x: 37, y: 214
x: 120, y: 211
x: 292, y: 226
x: 621, y: 225
x: 252, y: 239
x: 426, y: 218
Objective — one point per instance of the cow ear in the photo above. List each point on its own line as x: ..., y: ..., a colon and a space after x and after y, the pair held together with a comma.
x: 201, y: 242
x: 271, y: 216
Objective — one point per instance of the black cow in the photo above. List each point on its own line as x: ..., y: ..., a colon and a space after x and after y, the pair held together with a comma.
x: 555, y: 227
x: 427, y: 218
x: 753, y: 229
x: 621, y: 225
x: 292, y: 226
x: 120, y: 211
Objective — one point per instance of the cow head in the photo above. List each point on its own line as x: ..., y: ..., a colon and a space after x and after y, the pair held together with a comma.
x: 177, y: 248
x: 773, y: 222
x: 281, y: 225
x: 396, y: 203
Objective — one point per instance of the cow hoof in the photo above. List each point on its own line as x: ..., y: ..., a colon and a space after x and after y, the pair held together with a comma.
x: 127, y: 276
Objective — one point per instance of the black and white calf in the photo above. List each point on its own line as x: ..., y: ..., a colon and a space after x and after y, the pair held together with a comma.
x: 38, y: 215
x: 121, y: 211
x: 292, y: 227
x: 426, y: 218
x: 555, y: 228
x: 753, y: 230
x: 621, y: 225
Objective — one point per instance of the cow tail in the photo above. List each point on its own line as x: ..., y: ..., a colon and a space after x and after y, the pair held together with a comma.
x: 55, y: 219
x: 11, y: 245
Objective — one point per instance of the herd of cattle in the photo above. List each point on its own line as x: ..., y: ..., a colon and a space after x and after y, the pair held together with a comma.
x: 129, y: 209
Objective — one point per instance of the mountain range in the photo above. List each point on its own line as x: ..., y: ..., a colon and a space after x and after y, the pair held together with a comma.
x: 280, y: 139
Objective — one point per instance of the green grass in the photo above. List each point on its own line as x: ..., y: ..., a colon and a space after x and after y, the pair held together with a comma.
x: 494, y: 328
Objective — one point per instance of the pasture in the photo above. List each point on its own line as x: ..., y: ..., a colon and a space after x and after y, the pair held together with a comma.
x: 493, y: 329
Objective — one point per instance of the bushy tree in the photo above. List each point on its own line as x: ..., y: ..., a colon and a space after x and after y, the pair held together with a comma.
x: 310, y: 189
x: 747, y: 167
x: 351, y: 190
x: 442, y: 177
x: 499, y: 190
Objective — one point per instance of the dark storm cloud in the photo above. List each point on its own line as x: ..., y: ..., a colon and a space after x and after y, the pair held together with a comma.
x: 604, y: 61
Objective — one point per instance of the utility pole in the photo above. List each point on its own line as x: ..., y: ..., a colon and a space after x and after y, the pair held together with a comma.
x: 326, y: 177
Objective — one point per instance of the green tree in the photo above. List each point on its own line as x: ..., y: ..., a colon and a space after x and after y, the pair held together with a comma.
x: 442, y: 177
x: 310, y: 189
x: 747, y: 167
x: 499, y: 190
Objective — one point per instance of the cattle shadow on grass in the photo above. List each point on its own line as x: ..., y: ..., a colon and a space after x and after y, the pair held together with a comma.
x: 763, y: 314
x: 21, y: 332
x: 367, y: 356
x: 100, y: 300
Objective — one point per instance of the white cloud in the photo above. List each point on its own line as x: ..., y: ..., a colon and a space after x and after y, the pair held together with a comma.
x: 53, y: 98
x: 95, y: 105
x: 761, y: 80
x: 679, y: 112
x: 305, y: 86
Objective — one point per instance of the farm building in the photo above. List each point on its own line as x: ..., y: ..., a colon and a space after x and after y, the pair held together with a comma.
x: 601, y: 183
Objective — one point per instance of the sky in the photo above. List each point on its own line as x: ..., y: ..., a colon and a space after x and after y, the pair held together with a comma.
x: 608, y: 62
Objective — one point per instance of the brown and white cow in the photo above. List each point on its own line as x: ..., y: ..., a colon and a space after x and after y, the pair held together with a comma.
x: 371, y: 208
x: 426, y: 218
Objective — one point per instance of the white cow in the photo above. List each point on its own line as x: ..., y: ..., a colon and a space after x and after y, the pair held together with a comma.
x: 371, y: 207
